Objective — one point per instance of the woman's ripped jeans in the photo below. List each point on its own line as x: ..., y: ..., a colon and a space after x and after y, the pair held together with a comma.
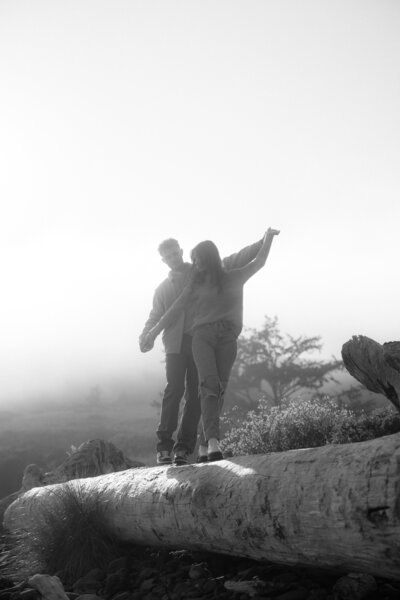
x: 214, y: 350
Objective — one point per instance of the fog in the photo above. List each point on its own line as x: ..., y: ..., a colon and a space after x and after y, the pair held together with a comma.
x: 125, y: 123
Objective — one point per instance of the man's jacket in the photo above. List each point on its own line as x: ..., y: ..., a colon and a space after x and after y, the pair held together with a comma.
x: 169, y: 290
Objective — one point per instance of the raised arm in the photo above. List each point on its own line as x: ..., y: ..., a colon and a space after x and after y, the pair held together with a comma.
x: 241, y: 258
x: 259, y: 261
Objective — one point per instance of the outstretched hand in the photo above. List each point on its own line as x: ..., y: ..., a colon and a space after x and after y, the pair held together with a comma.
x: 269, y: 236
x: 271, y: 232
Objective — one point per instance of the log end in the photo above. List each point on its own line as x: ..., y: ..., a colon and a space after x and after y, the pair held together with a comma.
x: 376, y: 366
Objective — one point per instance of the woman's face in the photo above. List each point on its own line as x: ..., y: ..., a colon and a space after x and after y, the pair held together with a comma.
x: 198, y: 262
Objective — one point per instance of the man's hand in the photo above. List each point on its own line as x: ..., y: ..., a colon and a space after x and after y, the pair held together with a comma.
x: 146, y: 341
x: 145, y: 344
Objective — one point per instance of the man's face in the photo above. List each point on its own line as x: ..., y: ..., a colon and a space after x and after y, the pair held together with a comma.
x: 173, y: 257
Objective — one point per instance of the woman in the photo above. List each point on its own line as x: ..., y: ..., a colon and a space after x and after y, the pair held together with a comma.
x: 214, y: 296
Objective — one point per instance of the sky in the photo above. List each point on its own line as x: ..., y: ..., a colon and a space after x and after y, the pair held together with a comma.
x: 124, y: 122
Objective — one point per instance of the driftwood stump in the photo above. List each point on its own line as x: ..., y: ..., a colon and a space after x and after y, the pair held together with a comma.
x: 91, y: 458
x: 376, y: 366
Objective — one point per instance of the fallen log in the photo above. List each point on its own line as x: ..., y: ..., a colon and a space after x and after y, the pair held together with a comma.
x: 337, y: 506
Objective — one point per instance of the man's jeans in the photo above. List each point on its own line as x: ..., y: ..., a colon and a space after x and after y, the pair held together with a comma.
x: 180, y: 370
x: 214, y: 351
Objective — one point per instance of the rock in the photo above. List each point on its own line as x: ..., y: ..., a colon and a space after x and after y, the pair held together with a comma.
x: 117, y: 564
x: 181, y: 588
x: 97, y: 574
x: 148, y: 584
x: 86, y: 585
x: 5, y: 583
x: 299, y: 594
x: 317, y: 594
x: 209, y: 586
x: 122, y: 596
x: 115, y: 582
x: 285, y: 578
x: 199, y: 571
x: 92, y: 458
x: 390, y: 591
x: 49, y: 586
x: 354, y: 586
x: 29, y: 594
x: 147, y: 573
x: 156, y: 574
x: 250, y: 588
x: 89, y: 583
x: 89, y: 597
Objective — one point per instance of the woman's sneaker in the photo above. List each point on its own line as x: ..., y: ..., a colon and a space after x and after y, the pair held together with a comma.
x: 164, y: 458
x: 213, y: 456
x: 202, y: 458
x: 181, y: 457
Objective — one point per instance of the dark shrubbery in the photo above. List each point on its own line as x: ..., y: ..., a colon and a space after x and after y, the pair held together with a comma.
x: 71, y: 538
x: 304, y: 423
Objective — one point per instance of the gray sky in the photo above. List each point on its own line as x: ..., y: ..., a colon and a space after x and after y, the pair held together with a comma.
x: 125, y: 122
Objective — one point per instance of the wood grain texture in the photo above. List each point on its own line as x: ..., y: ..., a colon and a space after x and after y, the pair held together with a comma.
x: 376, y: 366
x: 336, y: 506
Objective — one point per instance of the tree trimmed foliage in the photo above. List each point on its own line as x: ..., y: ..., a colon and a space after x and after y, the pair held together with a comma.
x: 276, y: 400
x: 277, y: 366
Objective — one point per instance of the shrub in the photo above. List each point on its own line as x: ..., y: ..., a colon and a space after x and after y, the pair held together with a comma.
x: 71, y: 538
x: 304, y: 423
x: 362, y: 426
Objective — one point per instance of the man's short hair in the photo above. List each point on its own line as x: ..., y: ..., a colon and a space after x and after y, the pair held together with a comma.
x: 165, y: 244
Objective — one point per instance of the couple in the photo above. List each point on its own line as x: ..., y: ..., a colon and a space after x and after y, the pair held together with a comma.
x: 199, y: 308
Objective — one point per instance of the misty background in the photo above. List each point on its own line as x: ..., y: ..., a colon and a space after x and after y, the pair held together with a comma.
x: 126, y: 122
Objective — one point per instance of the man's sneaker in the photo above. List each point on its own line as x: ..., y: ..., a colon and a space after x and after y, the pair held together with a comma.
x: 181, y: 458
x: 164, y: 458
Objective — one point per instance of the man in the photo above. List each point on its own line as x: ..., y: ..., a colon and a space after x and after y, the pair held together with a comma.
x: 180, y: 366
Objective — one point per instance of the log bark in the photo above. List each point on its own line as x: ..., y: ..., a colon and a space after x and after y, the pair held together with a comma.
x: 376, y: 366
x: 337, y: 506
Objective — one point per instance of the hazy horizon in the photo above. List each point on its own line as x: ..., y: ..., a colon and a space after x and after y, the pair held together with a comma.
x: 125, y: 123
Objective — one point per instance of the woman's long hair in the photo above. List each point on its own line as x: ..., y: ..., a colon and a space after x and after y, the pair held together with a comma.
x: 209, y: 256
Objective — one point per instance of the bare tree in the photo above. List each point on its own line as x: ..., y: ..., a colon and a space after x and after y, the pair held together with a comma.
x: 276, y: 365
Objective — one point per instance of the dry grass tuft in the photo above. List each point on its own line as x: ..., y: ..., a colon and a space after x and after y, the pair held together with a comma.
x: 72, y: 538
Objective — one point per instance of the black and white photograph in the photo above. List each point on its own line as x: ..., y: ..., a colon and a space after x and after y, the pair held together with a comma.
x: 199, y: 314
